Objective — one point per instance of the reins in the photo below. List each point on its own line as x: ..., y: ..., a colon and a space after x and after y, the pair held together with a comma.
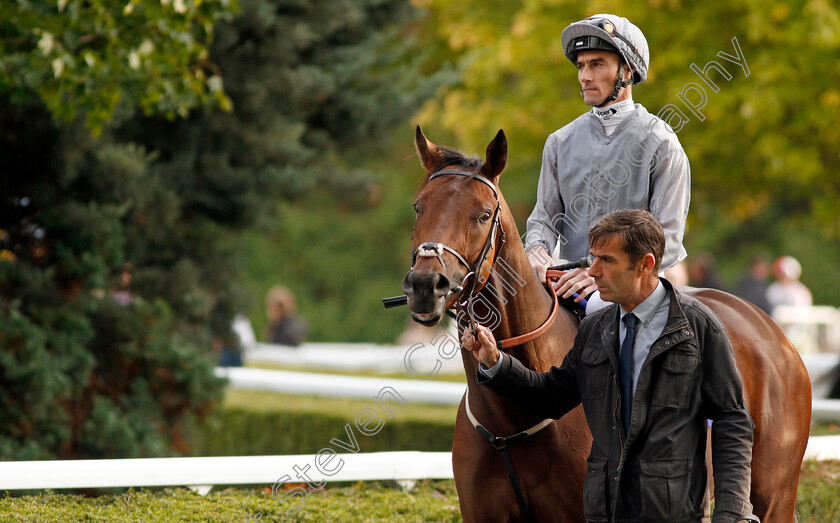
x: 542, y: 329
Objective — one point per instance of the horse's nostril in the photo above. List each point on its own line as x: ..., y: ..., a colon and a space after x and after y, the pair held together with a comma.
x: 442, y: 285
x: 427, y: 285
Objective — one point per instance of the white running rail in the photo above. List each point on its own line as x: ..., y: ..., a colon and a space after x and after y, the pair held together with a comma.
x: 228, y: 470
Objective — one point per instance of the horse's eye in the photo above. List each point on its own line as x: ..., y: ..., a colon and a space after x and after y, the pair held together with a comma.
x: 416, y: 209
x: 486, y: 216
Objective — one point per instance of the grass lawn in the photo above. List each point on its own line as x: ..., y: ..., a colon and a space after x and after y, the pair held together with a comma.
x: 819, y: 502
x: 819, y: 488
x: 258, y: 401
x: 373, y: 501
x: 825, y: 429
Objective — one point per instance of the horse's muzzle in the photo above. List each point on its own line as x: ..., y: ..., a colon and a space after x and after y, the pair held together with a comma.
x: 427, y: 294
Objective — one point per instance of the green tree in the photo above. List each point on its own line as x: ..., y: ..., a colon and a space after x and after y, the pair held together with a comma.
x: 309, y: 81
x: 119, y: 265
x: 90, y: 57
x: 87, y: 368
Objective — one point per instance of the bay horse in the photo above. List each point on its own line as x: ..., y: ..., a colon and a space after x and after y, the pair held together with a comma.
x: 466, y: 243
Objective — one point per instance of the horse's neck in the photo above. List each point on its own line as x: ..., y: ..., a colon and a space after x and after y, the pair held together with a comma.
x: 522, y: 305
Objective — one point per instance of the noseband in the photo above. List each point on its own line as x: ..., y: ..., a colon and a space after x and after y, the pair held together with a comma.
x: 435, y: 249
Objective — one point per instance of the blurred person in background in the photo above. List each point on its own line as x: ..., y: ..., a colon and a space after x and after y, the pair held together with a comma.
x: 227, y: 350
x: 230, y: 347
x: 752, y: 286
x: 285, y: 327
x: 121, y: 288
x: 787, y: 289
x: 702, y: 272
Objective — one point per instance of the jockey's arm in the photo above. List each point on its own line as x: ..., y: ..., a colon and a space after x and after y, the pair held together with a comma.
x: 540, y: 260
x: 669, y: 199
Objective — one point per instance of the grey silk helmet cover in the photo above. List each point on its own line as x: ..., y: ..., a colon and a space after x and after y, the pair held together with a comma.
x: 588, y: 34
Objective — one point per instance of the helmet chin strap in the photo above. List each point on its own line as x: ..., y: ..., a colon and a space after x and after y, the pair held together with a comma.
x: 619, y: 83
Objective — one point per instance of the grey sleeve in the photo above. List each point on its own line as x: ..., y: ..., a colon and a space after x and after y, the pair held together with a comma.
x: 669, y: 198
x: 540, y: 228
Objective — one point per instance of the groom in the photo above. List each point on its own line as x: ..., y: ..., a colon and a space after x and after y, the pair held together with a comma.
x: 649, y: 370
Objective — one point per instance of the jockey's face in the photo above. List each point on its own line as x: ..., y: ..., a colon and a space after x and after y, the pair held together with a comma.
x: 597, y: 73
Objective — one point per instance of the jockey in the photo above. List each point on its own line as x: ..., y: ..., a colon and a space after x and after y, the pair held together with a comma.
x: 615, y: 156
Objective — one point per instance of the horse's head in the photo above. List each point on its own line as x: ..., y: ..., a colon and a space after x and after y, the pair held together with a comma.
x: 457, y: 229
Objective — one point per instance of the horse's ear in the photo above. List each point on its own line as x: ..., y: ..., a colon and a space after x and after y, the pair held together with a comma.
x: 496, y: 156
x: 430, y: 156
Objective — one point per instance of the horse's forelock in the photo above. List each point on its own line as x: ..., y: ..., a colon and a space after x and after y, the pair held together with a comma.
x: 450, y: 157
x: 455, y: 157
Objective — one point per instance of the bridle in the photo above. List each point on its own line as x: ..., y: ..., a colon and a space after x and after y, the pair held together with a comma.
x: 435, y: 250
x: 473, y: 276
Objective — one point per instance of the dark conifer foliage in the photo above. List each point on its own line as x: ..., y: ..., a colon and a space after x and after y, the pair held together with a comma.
x: 116, y: 279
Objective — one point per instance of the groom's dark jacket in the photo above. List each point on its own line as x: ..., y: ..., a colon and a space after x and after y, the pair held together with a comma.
x: 658, y: 469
